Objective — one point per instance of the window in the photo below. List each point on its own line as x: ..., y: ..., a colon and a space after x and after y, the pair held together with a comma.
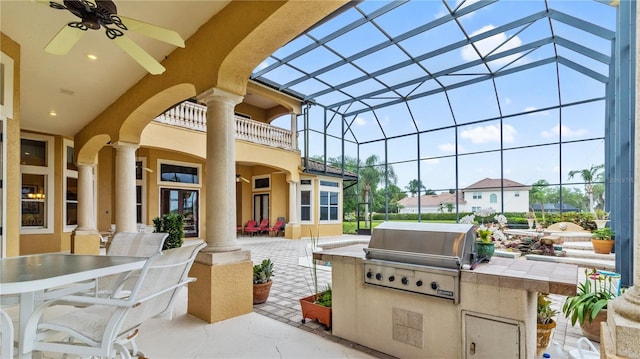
x: 173, y: 172
x: 493, y: 198
x: 306, y: 190
x: 329, y: 201
x: 36, y: 159
x: 71, y: 188
x: 516, y: 194
x: 262, y: 182
x: 141, y: 165
x: 477, y: 195
x: 475, y: 209
x: 177, y: 173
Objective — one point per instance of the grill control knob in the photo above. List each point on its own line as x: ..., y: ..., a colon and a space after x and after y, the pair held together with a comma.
x: 419, y: 283
x: 379, y: 276
x: 405, y: 281
x: 392, y: 278
x: 369, y: 274
x: 434, y: 285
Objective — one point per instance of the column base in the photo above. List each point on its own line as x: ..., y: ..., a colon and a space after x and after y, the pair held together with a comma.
x: 293, y: 231
x: 85, y: 242
x: 622, y: 330
x: 224, y: 286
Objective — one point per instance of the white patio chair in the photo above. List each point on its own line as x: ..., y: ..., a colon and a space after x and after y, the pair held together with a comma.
x: 6, y: 334
x: 107, y: 325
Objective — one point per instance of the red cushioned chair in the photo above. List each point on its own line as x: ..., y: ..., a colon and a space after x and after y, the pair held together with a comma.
x: 277, y: 228
x: 251, y: 228
x: 264, y: 226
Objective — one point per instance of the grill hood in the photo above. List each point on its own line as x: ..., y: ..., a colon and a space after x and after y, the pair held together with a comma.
x: 431, y: 244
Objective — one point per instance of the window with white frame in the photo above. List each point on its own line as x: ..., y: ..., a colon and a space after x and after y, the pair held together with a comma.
x: 477, y: 195
x: 70, y: 212
x: 516, y: 194
x: 329, y: 201
x: 37, y: 168
x: 493, y: 198
x: 141, y: 169
x: 173, y: 172
x: 261, y: 183
x: 306, y: 200
x: 475, y: 209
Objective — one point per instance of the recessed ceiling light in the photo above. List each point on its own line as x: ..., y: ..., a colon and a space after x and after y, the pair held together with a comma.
x: 92, y: 57
x: 52, y: 113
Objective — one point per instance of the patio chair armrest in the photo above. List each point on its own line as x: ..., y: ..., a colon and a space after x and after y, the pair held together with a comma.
x: 168, y: 289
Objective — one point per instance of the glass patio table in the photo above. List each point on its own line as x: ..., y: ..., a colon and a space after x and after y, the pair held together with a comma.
x: 29, y: 276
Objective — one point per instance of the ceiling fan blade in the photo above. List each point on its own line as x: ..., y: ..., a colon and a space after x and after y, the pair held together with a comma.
x: 142, y: 57
x: 153, y: 31
x: 239, y: 177
x: 64, y: 40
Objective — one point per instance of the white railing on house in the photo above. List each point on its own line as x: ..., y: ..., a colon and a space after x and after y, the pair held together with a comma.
x: 194, y: 116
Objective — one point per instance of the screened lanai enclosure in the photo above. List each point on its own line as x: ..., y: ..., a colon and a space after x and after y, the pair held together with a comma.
x: 439, y: 96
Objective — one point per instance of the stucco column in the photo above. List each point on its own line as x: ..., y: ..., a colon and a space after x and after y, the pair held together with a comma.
x: 294, y: 131
x: 224, y: 288
x: 220, y: 218
x: 85, y: 238
x: 292, y: 229
x: 125, y: 186
x: 86, y: 215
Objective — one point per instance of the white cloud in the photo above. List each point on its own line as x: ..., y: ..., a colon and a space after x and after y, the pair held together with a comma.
x: 433, y: 161
x: 489, y: 133
x: 488, y: 45
x: 507, y: 101
x: 449, y: 148
x: 360, y: 121
x: 566, y: 132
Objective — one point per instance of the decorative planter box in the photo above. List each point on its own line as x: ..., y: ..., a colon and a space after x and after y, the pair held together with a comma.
x: 313, y: 311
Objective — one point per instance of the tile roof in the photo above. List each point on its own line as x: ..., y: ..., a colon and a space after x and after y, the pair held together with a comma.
x: 495, y: 183
x: 431, y: 200
x: 317, y: 167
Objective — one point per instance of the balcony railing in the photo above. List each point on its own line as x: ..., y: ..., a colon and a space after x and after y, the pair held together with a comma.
x: 194, y: 117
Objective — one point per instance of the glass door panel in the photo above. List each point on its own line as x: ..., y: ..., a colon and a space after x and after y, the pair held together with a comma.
x: 184, y: 202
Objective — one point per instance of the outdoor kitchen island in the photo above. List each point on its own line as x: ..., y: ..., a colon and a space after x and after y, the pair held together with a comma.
x: 494, y: 315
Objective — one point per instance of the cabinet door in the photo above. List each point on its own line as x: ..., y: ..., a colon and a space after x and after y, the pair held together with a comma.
x: 490, y: 338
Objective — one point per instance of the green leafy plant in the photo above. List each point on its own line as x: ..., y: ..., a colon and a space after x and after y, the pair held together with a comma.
x: 324, y: 298
x: 591, y: 298
x: 263, y: 272
x: 605, y: 233
x: 601, y: 214
x: 484, y: 234
x: 172, y: 223
x: 545, y: 312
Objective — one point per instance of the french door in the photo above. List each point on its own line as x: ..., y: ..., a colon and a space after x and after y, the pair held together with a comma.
x: 182, y: 201
x: 260, y: 206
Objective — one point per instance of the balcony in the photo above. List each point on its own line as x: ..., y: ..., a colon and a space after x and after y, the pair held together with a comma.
x: 194, y: 117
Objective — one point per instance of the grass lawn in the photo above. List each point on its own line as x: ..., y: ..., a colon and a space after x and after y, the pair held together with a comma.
x: 350, y: 227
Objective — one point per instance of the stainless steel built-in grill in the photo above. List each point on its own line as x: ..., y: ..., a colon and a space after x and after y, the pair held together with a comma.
x: 423, y: 258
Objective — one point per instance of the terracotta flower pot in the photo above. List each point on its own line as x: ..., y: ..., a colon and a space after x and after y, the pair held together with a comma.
x: 261, y: 292
x: 313, y: 311
x: 602, y: 246
x: 592, y: 330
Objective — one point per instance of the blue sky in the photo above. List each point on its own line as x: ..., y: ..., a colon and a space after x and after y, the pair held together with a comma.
x: 525, y: 99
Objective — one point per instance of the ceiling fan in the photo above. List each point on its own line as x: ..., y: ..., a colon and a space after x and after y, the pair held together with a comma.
x: 96, y: 14
x: 240, y: 178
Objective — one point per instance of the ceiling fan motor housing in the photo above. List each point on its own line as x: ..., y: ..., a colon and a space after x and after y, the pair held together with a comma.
x: 93, y: 15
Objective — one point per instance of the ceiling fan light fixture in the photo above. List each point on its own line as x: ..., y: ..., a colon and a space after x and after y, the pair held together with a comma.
x: 92, y: 57
x: 53, y: 113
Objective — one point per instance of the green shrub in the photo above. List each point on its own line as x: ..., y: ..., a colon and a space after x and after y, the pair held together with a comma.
x: 172, y: 223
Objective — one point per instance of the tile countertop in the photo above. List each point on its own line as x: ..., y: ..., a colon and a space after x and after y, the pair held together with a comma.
x: 546, y: 277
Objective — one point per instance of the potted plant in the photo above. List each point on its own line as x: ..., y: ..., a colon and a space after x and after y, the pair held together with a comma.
x: 545, y: 322
x: 172, y: 223
x: 601, y: 218
x: 485, y: 248
x: 602, y: 240
x: 589, y: 306
x: 316, y: 306
x: 262, y: 281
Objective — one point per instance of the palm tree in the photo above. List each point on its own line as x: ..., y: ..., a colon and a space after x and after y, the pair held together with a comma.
x: 588, y: 175
x: 538, y: 194
x: 371, y: 175
x: 414, y: 186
